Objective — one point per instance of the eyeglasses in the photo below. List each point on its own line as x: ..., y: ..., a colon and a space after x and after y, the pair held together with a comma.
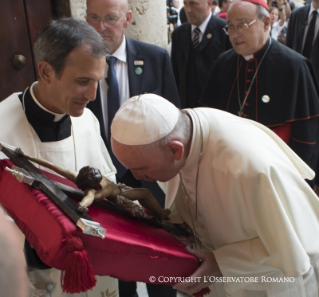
x: 95, y: 20
x: 241, y: 27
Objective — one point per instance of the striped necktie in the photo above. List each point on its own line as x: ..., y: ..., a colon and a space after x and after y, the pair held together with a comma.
x: 196, y: 37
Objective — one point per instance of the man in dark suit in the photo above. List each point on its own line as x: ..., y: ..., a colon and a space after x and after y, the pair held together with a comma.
x: 299, y: 26
x: 196, y: 45
x: 303, y: 37
x: 133, y: 68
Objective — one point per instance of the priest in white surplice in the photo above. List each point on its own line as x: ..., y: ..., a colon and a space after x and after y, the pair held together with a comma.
x: 49, y: 119
x: 239, y: 188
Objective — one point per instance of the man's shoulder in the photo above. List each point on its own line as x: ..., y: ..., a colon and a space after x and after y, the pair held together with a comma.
x: 227, y: 56
x: 87, y: 122
x: 13, y: 95
x: 9, y: 101
x: 300, y: 11
x: 87, y: 113
x: 141, y: 45
x: 286, y: 54
x: 184, y: 27
x: 218, y: 22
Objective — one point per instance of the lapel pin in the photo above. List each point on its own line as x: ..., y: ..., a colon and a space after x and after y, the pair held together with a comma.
x: 209, y: 36
x: 265, y: 98
x: 139, y: 62
x: 138, y: 70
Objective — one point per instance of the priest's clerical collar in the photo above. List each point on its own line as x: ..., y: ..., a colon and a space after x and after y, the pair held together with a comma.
x: 43, y: 121
x: 259, y: 53
x: 249, y: 57
x: 56, y: 116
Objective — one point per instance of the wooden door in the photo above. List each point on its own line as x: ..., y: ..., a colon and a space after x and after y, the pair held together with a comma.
x: 20, y: 23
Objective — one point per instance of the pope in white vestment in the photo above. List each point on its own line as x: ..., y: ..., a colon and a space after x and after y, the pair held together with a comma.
x: 240, y: 188
x: 84, y: 147
x: 255, y: 211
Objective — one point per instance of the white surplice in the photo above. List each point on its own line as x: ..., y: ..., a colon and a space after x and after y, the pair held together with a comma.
x: 84, y: 147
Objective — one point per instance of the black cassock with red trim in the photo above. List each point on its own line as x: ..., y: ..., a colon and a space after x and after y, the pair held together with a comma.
x: 283, y: 96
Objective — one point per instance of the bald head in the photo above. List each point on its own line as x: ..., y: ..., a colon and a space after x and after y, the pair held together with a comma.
x: 122, y: 3
x: 197, y: 11
x: 109, y: 18
x: 250, y: 38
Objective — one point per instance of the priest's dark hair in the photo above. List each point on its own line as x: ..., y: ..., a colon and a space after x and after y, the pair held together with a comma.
x: 60, y: 37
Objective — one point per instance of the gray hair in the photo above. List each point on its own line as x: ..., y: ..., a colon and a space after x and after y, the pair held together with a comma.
x: 262, y: 12
x: 180, y: 132
x: 60, y: 37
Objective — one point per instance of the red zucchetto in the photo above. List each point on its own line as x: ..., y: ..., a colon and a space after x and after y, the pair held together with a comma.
x: 260, y: 2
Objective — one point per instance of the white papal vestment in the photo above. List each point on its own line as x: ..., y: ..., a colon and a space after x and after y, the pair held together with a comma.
x: 255, y: 211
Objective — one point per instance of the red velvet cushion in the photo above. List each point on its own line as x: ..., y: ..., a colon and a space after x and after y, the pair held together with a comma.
x: 131, y: 250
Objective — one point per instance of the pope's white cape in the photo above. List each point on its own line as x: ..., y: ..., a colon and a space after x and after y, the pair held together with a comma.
x: 255, y: 211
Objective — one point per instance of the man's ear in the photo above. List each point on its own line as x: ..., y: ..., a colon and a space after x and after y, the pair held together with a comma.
x: 266, y: 23
x: 176, y: 149
x: 45, y: 71
x: 129, y: 17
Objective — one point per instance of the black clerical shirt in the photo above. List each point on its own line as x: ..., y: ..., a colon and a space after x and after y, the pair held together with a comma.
x: 43, y: 121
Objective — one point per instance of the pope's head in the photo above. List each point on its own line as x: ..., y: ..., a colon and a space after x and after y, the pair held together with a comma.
x: 151, y: 136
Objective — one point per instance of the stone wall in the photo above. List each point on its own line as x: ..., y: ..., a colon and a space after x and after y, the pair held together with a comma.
x: 78, y: 9
x: 149, y: 21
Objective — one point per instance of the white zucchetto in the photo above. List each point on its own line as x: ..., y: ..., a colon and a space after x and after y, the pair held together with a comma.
x: 144, y: 119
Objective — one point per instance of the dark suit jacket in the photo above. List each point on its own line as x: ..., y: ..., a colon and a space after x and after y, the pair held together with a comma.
x: 157, y: 76
x: 295, y: 35
x: 214, y: 42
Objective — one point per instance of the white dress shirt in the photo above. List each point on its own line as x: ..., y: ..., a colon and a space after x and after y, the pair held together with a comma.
x: 202, y: 28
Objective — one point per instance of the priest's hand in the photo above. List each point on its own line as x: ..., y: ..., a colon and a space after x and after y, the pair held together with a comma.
x: 208, y: 268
